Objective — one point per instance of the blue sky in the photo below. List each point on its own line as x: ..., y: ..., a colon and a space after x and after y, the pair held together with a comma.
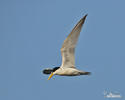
x: 31, y: 35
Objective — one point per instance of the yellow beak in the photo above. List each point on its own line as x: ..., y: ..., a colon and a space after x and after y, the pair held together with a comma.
x: 50, y: 76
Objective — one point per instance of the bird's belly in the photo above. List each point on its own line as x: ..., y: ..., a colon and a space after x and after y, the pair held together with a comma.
x: 69, y: 72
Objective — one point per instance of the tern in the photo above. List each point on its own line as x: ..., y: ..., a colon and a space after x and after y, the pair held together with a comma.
x: 68, y: 67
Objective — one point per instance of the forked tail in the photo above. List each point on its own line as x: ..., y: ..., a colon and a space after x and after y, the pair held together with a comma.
x: 85, y: 73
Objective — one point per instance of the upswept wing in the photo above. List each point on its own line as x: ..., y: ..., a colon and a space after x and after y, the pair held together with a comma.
x: 68, y: 47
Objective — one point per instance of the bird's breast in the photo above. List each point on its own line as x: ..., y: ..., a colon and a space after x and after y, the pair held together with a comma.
x: 67, y: 72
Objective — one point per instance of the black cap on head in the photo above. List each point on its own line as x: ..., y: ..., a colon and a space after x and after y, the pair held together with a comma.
x: 55, y: 68
x: 47, y: 71
x: 50, y: 70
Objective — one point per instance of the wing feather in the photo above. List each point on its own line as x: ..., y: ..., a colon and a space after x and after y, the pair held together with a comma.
x: 68, y: 47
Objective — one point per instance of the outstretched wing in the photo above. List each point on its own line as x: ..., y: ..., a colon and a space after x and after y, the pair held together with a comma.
x: 68, y: 47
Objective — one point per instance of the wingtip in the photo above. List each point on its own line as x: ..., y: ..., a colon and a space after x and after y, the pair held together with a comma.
x: 85, y: 16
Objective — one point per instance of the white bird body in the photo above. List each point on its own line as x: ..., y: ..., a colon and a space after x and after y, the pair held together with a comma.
x: 67, y: 72
x: 68, y: 54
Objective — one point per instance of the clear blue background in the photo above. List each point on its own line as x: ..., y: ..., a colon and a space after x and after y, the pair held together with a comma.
x: 31, y: 35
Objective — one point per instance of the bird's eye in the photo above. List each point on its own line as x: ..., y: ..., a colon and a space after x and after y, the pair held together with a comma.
x: 47, y: 71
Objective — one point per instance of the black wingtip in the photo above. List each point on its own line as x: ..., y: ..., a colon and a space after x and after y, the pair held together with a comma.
x: 83, y: 19
x: 85, y: 16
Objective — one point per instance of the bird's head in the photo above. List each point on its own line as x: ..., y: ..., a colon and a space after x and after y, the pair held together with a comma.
x: 50, y: 71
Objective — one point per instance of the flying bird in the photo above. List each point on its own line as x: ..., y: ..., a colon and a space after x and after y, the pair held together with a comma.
x: 68, y: 67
